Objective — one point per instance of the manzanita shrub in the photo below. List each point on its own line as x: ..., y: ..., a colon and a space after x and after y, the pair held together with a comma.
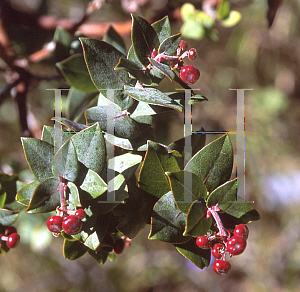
x: 110, y: 177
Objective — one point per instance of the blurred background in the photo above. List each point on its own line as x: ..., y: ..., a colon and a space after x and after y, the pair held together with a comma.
x: 248, y: 55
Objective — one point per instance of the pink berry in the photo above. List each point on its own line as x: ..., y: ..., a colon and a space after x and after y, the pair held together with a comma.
x: 203, y: 242
x: 72, y: 224
x: 153, y: 54
x: 9, y: 230
x: 222, y: 267
x: 80, y: 213
x: 193, y: 54
x: 118, y: 246
x: 236, y: 245
x: 189, y: 74
x: 13, y: 240
x: 242, y: 231
x: 183, y: 45
x: 54, y: 224
x: 218, y: 250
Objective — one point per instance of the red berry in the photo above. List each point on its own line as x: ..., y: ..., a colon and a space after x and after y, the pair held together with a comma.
x: 119, y: 245
x: 222, y: 267
x: 9, y: 230
x: 193, y: 54
x: 242, y: 231
x: 236, y: 245
x: 183, y: 45
x: 13, y: 240
x: 72, y: 224
x: 189, y: 74
x: 203, y: 242
x: 218, y: 250
x: 54, y: 224
x: 80, y: 213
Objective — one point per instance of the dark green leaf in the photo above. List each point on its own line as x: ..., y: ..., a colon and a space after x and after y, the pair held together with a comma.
x: 223, y: 196
x: 8, y: 217
x: 24, y: 194
x: 167, y: 222
x: 100, y: 255
x: 114, y: 39
x: 46, y: 196
x: 124, y: 126
x: 144, y: 39
x: 75, y: 72
x: 169, y: 46
x: 39, y: 155
x: 213, y: 163
x: 152, y: 96
x: 157, y: 162
x: 162, y: 28
x: 77, y: 102
x: 90, y: 148
x: 186, y: 188
x: 163, y: 69
x: 198, y: 256
x: 8, y: 187
x: 131, y: 56
x: 73, y: 249
x: 196, y: 222
x: 73, y: 126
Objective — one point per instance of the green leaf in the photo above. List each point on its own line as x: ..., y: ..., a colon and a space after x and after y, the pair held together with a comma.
x: 223, y: 9
x: 77, y: 102
x: 157, y: 162
x: 242, y: 210
x: 24, y: 194
x: 8, y: 217
x: 144, y: 39
x: 167, y: 222
x: 192, y: 29
x: 134, y: 70
x: 152, y: 96
x: 120, y: 142
x: 75, y: 72
x: 196, y: 222
x: 76, y: 127
x: 93, y: 184
x: 213, y: 163
x: 169, y: 46
x: 48, y: 135
x: 187, y: 11
x: 100, y: 256
x: 39, y: 155
x: 74, y: 199
x: 90, y: 148
x: 8, y: 187
x: 162, y: 28
x: 65, y: 162
x: 124, y: 126
x: 223, y: 196
x: 198, y: 142
x: 131, y: 56
x: 233, y: 19
x: 101, y: 59
x: 46, y: 196
x: 73, y: 250
x: 125, y: 164
x: 186, y: 188
x: 198, y: 256
x: 114, y: 39
x: 163, y: 69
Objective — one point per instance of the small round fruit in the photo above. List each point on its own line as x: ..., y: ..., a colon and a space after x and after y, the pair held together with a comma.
x: 80, y: 213
x: 13, y: 240
x: 218, y: 250
x: 236, y: 245
x: 203, y: 242
x: 189, y: 74
x: 54, y: 224
x: 242, y: 231
x: 119, y: 245
x: 193, y: 54
x: 183, y: 45
x: 72, y: 224
x: 9, y: 230
x: 222, y: 267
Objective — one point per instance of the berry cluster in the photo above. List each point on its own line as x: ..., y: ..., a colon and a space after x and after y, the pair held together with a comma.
x: 188, y: 74
x: 10, y: 238
x: 69, y: 223
x: 234, y: 244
